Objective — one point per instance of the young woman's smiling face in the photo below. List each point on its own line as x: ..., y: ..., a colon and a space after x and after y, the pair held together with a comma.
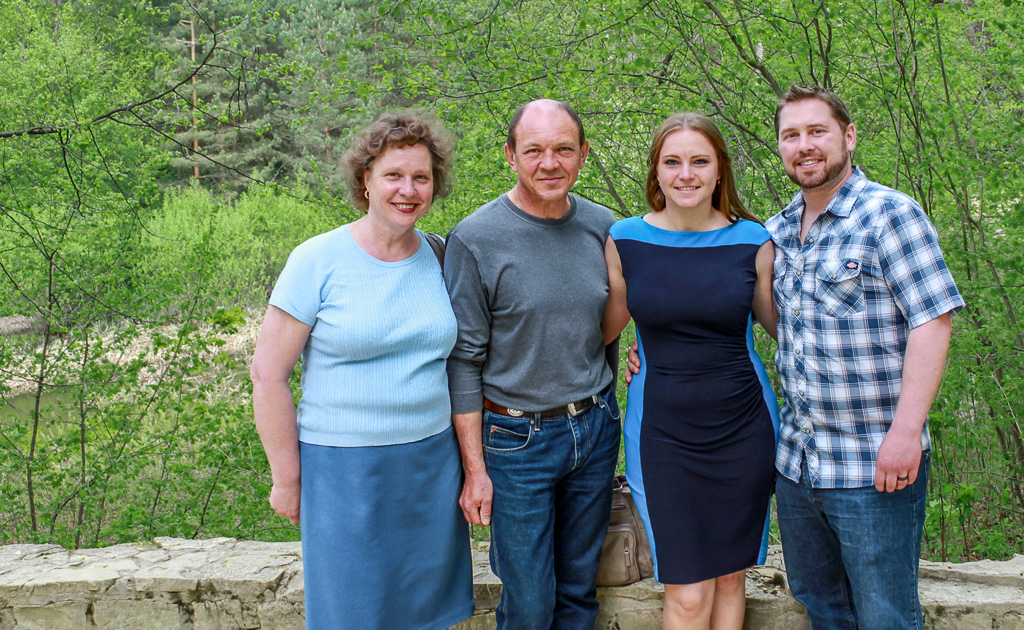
x: 687, y: 170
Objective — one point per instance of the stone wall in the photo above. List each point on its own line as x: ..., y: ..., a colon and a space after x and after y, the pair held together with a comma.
x: 222, y: 584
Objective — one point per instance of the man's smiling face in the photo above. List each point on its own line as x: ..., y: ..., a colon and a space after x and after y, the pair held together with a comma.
x: 815, y: 149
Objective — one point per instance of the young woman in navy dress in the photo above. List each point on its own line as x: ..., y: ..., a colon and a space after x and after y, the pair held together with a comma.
x: 701, y: 419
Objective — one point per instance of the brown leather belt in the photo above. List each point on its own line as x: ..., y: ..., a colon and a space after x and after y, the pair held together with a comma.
x: 572, y: 409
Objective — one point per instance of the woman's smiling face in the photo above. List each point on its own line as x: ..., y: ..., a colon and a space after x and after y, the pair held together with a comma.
x: 400, y: 186
x: 687, y: 170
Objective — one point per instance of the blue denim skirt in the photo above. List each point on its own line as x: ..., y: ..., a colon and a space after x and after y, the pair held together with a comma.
x: 384, y: 543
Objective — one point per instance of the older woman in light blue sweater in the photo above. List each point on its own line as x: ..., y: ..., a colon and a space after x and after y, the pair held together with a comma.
x: 368, y: 465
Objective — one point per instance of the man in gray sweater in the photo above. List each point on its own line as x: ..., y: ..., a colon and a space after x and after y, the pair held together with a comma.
x: 533, y: 397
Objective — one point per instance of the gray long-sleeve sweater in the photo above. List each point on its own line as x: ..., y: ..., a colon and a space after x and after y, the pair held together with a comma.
x: 529, y: 295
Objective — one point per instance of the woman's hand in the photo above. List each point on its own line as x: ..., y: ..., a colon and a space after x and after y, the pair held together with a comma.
x: 633, y: 362
x: 284, y: 498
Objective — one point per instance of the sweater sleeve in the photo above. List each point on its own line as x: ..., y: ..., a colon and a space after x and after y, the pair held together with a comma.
x: 469, y: 301
x: 297, y: 290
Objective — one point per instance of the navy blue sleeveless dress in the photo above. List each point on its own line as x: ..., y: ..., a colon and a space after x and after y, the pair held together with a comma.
x: 701, y: 417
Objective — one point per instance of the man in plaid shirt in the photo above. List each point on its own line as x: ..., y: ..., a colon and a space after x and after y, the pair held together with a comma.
x: 865, y: 301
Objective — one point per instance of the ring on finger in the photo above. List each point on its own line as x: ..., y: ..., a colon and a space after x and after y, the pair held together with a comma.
x: 907, y: 478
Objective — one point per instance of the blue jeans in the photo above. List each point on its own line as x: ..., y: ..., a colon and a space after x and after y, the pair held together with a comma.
x: 852, y: 554
x: 552, y: 499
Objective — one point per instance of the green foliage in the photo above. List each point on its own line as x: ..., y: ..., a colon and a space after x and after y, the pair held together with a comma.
x: 122, y: 450
x: 228, y: 252
x: 97, y: 232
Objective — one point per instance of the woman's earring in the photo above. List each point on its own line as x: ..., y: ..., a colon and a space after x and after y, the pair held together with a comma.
x: 366, y: 193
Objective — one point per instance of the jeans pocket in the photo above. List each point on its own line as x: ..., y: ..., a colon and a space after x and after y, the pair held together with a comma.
x: 506, y: 435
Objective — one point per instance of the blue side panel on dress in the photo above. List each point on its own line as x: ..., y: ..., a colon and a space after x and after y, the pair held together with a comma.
x: 631, y: 426
x: 773, y: 408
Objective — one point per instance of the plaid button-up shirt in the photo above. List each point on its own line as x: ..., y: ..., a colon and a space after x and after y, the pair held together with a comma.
x: 869, y: 271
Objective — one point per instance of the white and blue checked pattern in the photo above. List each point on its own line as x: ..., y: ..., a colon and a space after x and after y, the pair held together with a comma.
x: 869, y: 271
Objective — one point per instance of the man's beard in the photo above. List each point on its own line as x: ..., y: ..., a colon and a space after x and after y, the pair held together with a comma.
x: 831, y: 173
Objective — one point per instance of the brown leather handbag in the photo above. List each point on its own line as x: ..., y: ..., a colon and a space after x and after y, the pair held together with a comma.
x: 626, y: 554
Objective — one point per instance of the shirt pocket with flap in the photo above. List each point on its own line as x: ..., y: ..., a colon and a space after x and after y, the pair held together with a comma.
x: 839, y: 283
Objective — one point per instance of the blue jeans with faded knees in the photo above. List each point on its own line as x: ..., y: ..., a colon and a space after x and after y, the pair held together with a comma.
x: 552, y: 499
x: 852, y: 554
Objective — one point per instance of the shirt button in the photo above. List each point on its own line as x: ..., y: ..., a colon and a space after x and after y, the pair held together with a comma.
x: 810, y: 239
x: 797, y: 312
x: 807, y: 430
x: 801, y: 392
x: 833, y: 276
x: 799, y: 273
x: 798, y: 351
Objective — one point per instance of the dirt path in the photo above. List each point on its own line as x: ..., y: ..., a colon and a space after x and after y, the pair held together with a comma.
x: 20, y: 378
x: 19, y: 325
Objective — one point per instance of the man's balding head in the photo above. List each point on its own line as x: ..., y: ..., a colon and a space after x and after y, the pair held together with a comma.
x: 546, y: 104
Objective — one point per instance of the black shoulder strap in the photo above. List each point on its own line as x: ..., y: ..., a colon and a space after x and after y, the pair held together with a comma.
x: 436, y: 244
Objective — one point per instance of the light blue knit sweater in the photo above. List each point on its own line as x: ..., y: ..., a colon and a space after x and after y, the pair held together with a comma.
x: 373, y: 369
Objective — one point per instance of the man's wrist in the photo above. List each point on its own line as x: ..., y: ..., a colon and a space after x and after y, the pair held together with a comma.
x: 906, y: 428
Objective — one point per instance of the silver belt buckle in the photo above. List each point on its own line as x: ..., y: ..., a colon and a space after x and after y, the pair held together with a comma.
x: 515, y: 413
x: 572, y: 409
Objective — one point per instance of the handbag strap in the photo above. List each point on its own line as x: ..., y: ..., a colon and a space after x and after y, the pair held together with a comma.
x: 436, y: 242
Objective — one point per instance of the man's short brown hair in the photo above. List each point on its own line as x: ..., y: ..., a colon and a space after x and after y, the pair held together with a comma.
x: 804, y: 92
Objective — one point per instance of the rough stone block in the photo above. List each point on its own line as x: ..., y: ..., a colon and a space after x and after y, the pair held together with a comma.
x: 12, y: 582
x: 293, y: 549
x: 636, y: 605
x: 775, y: 618
x: 223, y: 614
x: 159, y: 578
x: 59, y: 615
x: 960, y: 621
x: 123, y: 588
x: 769, y: 604
x: 153, y: 555
x: 633, y: 619
x: 487, y: 595
x: 177, y: 584
x: 12, y: 553
x: 939, y: 596
x: 120, y: 565
x: 107, y: 553
x: 482, y: 620
x: 646, y: 589
x: 245, y: 576
x: 68, y: 584
x: 993, y: 572
x: 136, y: 614
x: 179, y: 544
x: 187, y: 561
x: 282, y: 615
x: 292, y: 588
